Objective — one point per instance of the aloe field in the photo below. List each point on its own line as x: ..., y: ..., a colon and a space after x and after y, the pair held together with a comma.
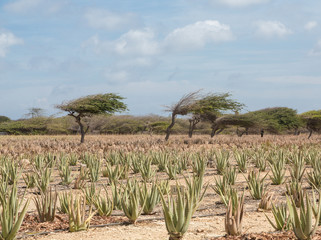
x: 142, y: 187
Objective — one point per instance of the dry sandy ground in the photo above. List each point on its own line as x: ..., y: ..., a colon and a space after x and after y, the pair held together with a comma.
x: 200, y: 228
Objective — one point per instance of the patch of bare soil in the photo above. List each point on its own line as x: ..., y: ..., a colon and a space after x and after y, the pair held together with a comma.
x: 31, y: 225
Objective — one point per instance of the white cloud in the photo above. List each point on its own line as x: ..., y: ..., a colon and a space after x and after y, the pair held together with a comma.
x: 24, y: 6
x: 133, y: 43
x: 137, y: 42
x: 270, y: 29
x: 120, y: 76
x: 240, y: 3
x: 310, y: 25
x: 104, y: 19
x: 199, y: 34
x: 316, y: 51
x: 7, y: 40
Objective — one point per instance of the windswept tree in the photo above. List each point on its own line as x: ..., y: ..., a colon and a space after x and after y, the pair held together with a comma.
x: 276, y: 120
x: 210, y: 107
x: 237, y: 120
x: 312, y: 120
x: 88, y: 106
x: 182, y: 107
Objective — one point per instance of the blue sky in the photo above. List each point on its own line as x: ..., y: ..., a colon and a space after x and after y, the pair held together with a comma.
x: 266, y: 53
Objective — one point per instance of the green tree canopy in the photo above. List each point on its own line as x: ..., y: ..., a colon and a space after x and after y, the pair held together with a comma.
x: 215, y: 104
x: 94, y: 104
x: 312, y: 120
x: 210, y: 107
x: 88, y: 106
x: 311, y: 114
x: 4, y: 119
x: 277, y: 119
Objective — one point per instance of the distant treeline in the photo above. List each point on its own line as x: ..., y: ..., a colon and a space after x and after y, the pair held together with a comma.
x: 279, y: 120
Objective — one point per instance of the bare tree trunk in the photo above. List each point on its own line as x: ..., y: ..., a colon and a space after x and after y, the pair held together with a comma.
x: 192, y: 124
x: 168, y: 130
x: 191, y: 128
x: 240, y: 134
x: 82, y: 130
x: 310, y: 133
x: 215, y: 132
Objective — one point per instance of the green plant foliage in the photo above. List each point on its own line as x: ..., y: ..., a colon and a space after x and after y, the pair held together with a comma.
x: 256, y: 184
x: 178, y: 211
x: 77, y: 214
x: 222, y: 159
x: 10, y: 218
x: 281, y: 217
x: 130, y: 201
x: 46, y: 206
x: 277, y: 120
x: 149, y: 196
x: 103, y: 204
x: 302, y: 220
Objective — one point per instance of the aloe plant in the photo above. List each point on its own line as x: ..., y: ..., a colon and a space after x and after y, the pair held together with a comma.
x: 281, y: 217
x: 199, y: 164
x: 195, y: 189
x: 315, y: 208
x: 146, y: 170
x: 172, y: 169
x: 230, y: 175
x: 103, y: 204
x: 294, y: 189
x: 64, y: 200
x: 10, y: 218
x: 29, y: 179
x: 297, y: 169
x: 229, y: 194
x: 130, y: 201
x: 234, y: 215
x: 65, y: 174
x: 73, y: 159
x: 136, y: 161
x: 302, y: 220
x: 149, y: 197
x: 314, y: 178
x: 241, y: 159
x: 94, y: 165
x: 114, y: 173
x: 116, y: 195
x: 178, y: 212
x: 77, y: 214
x: 162, y: 159
x: 221, y: 161
x: 10, y: 171
x: 221, y: 186
x: 278, y: 172
x: 46, y: 206
x: 259, y: 158
x: 256, y: 184
x: 80, y: 180
x: 43, y: 178
x: 90, y: 193
x: 266, y: 201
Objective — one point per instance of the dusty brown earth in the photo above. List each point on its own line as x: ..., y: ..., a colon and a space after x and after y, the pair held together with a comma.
x: 203, y: 226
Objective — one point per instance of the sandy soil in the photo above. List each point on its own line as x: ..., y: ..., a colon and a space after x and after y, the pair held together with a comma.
x: 200, y: 228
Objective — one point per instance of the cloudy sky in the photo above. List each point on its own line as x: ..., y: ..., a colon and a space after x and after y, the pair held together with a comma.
x: 264, y: 52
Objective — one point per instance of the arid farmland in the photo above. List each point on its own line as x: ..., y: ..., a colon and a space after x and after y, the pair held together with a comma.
x: 119, y: 187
